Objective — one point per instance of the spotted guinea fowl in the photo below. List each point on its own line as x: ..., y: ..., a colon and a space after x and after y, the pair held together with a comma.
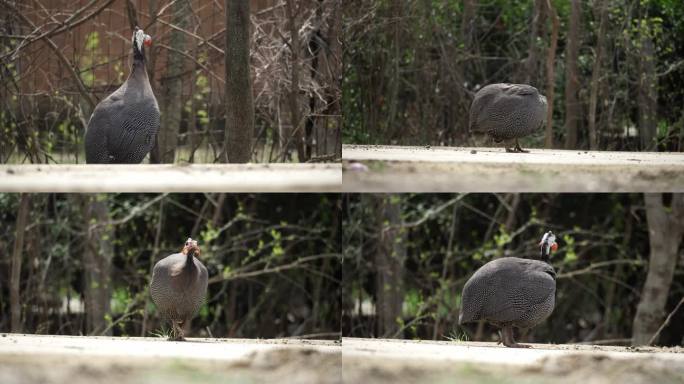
x: 507, y: 112
x: 179, y: 286
x: 512, y: 292
x: 123, y: 127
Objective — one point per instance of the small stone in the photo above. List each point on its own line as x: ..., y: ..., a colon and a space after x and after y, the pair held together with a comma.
x: 357, y: 167
x: 472, y: 152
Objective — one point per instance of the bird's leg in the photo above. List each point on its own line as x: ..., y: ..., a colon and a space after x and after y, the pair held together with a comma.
x: 176, y: 332
x: 508, y: 338
x: 181, y: 336
x: 518, y: 149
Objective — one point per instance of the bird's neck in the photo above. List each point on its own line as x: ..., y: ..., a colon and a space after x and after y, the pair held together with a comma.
x: 139, y: 67
x: 189, y: 262
x: 544, y: 256
x: 138, y: 55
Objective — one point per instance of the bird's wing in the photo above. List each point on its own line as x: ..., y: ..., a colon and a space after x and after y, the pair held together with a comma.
x: 138, y: 124
x: 97, y: 132
x: 520, y: 90
x: 477, y: 110
x: 533, y: 284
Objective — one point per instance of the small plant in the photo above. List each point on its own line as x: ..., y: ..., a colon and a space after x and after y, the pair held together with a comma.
x: 457, y: 334
x: 162, y: 332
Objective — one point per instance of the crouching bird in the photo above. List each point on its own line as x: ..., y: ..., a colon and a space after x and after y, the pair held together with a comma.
x: 179, y: 286
x: 507, y: 112
x: 512, y: 292
x: 123, y: 126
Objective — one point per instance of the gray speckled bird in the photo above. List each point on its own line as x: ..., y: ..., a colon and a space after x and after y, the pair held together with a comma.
x: 507, y: 112
x: 512, y: 292
x: 179, y: 286
x: 123, y: 126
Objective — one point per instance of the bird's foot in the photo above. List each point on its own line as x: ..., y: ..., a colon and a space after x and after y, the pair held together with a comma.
x: 518, y: 149
x: 177, y: 333
x: 516, y: 345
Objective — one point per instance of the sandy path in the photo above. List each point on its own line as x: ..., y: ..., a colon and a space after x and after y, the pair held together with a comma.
x: 52, y: 359
x: 171, y: 178
x: 423, y: 169
x: 399, y: 361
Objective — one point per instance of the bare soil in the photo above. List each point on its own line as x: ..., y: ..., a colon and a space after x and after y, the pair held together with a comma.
x: 408, y: 361
x: 171, y: 178
x: 27, y: 359
x: 448, y: 169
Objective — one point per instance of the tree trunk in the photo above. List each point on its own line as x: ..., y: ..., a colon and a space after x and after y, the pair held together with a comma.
x: 647, y: 94
x: 328, y: 140
x: 97, y: 259
x: 550, y: 73
x: 462, y: 106
x: 293, y: 100
x: 15, y: 276
x: 572, y: 107
x: 665, y: 230
x: 531, y: 76
x: 239, y: 101
x: 595, y: 74
x: 389, y: 260
x: 172, y: 103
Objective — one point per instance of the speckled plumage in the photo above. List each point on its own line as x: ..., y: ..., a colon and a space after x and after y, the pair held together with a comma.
x: 507, y: 111
x: 511, y: 292
x: 124, y: 126
x: 178, y: 287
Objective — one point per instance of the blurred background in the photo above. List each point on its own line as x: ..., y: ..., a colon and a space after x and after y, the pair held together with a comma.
x: 612, y: 70
x: 295, y: 56
x: 77, y: 264
x: 620, y: 263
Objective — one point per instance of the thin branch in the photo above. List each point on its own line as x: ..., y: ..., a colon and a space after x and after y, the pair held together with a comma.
x: 193, y: 35
x: 280, y: 268
x: 429, y: 214
x: 135, y: 211
x: 598, y: 265
x: 666, y: 322
x: 59, y: 29
x: 51, y: 44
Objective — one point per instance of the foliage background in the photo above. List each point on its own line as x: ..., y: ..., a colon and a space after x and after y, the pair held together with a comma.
x: 438, y: 240
x: 273, y: 262
x: 412, y: 68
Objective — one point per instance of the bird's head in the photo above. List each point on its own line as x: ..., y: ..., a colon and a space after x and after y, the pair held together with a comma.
x: 140, y: 41
x: 548, y: 244
x: 191, y: 245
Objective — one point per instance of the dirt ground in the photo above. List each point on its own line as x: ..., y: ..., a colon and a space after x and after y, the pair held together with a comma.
x: 28, y: 359
x: 171, y: 178
x: 408, y: 361
x: 447, y: 169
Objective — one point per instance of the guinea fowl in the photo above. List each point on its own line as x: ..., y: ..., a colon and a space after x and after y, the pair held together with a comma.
x: 123, y: 127
x: 507, y: 111
x: 178, y: 287
x: 512, y: 292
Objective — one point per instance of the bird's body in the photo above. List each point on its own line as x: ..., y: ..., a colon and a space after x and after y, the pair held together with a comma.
x: 507, y: 112
x: 179, y: 286
x: 510, y: 292
x: 124, y: 126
